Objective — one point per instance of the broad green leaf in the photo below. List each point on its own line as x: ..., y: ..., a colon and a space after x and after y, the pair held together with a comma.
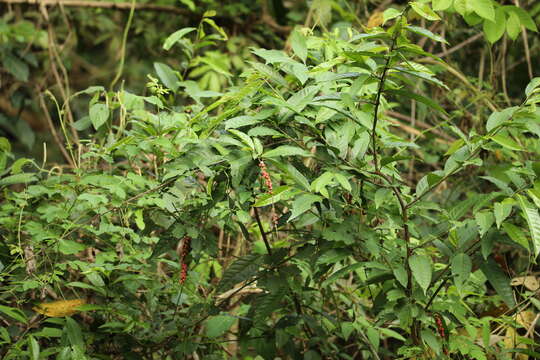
x: 360, y: 146
x: 33, y: 345
x: 421, y: 270
x: 299, y: 45
x: 176, y: 36
x: 506, y: 142
x: 401, y: 275
x: 240, y: 270
x: 342, y: 272
x: 286, y: 150
x: 13, y: 313
x: 516, y: 234
x: 484, y: 220
x: 425, y: 32
x: 494, y: 30
x: 461, y: 268
x: 530, y: 212
x: 501, y: 210
x: 273, y: 56
x: 280, y: 193
x: 243, y: 137
x: 498, y: 118
x: 302, y: 204
x: 513, y: 26
x: 346, y: 329
x: 297, y: 176
x: 391, y: 333
x: 532, y: 86
x: 432, y: 341
x: 484, y: 8
x: 424, y: 11
x: 439, y: 5
x: 23, y: 178
x: 99, y: 114
x: 218, y: 325
x: 319, y: 184
x: 498, y: 279
x: 302, y: 98
x: 525, y: 18
x: 168, y: 76
x: 390, y: 14
x: 16, y: 67
x: 74, y: 333
x: 70, y: 247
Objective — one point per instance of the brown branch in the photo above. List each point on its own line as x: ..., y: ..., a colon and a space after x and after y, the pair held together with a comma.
x: 124, y: 6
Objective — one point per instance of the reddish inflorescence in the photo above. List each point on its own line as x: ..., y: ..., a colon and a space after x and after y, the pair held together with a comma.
x: 186, y: 248
x: 266, y: 176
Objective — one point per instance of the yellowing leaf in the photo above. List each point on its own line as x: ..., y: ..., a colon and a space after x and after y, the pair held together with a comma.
x: 376, y: 19
x: 59, y: 308
x: 530, y: 282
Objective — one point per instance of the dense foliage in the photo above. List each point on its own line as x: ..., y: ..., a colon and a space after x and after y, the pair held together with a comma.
x: 342, y: 193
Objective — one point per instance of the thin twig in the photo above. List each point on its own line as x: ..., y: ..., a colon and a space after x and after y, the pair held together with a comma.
x: 124, y: 42
x: 125, y: 6
x: 263, y: 234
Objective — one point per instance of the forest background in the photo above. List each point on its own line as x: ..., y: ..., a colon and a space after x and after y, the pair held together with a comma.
x: 322, y: 179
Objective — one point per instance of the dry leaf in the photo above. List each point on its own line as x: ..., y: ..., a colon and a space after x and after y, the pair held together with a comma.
x: 530, y: 282
x: 376, y: 19
x: 512, y: 342
x: 59, y: 308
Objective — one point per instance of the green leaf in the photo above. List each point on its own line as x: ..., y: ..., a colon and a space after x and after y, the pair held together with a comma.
x: 168, y: 76
x: 390, y: 14
x: 218, y: 325
x: 99, y: 114
x: 273, y: 56
x: 70, y: 247
x: 280, y: 193
x: 14, y: 313
x: 484, y: 220
x: 176, y: 36
x: 513, y: 26
x: 506, y: 142
x: 483, y: 8
x: 424, y: 11
x: 74, y: 333
x: 286, y: 150
x: 494, y: 30
x: 299, y: 45
x: 439, y: 5
x: 297, y: 176
x: 16, y: 67
x: 461, y: 268
x: 23, y: 178
x: 421, y: 270
x: 240, y: 270
x: 243, y: 137
x: 501, y: 210
x: 516, y: 234
x: 302, y: 204
x: 432, y: 341
x: 498, y: 279
x: 266, y: 304
x: 425, y: 32
x: 533, y: 220
x: 33, y: 345
x: 498, y: 118
x: 525, y: 18
x: 532, y: 86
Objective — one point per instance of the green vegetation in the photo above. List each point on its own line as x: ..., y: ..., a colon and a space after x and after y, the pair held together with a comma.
x: 262, y: 180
